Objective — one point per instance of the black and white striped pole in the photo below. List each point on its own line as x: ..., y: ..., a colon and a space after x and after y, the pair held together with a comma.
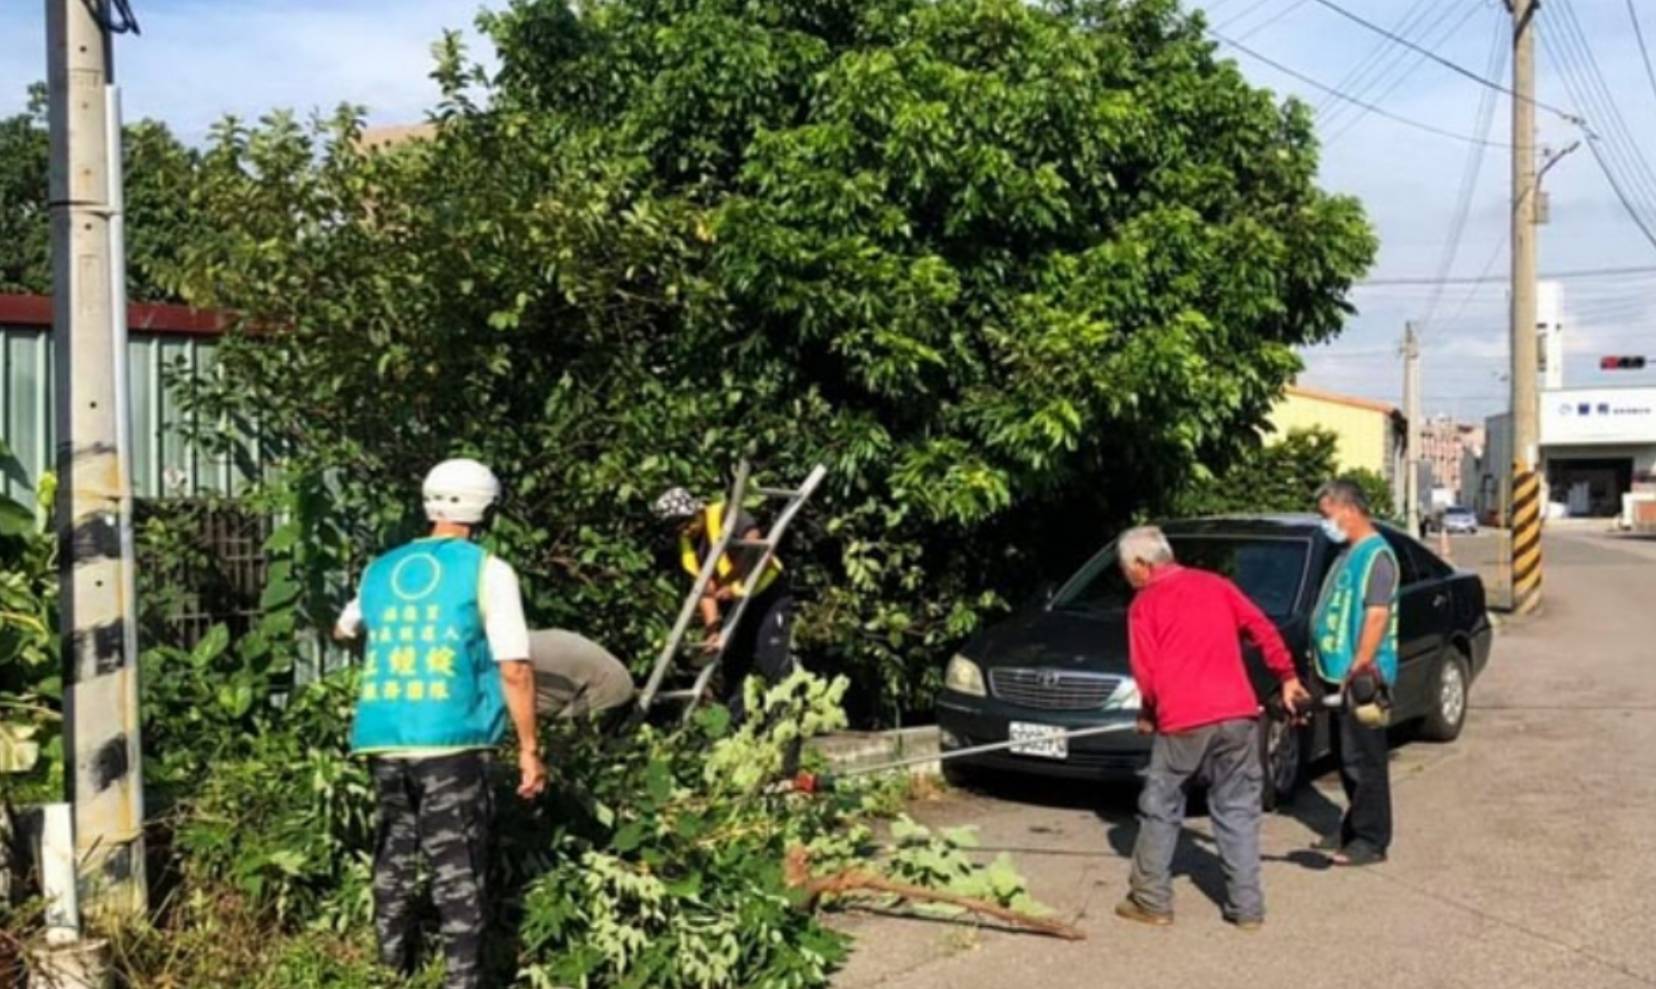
x: 100, y: 668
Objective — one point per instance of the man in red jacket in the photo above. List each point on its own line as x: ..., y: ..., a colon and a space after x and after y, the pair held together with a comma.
x: 1183, y: 630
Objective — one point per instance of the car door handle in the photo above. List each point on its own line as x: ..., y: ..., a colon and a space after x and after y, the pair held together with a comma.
x: 1440, y: 600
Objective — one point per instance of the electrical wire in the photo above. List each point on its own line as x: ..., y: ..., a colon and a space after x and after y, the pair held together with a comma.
x: 1470, y: 173
x: 1273, y: 63
x: 1274, y: 18
x: 1446, y: 63
x: 1354, y: 77
x: 1644, y: 52
x: 1576, y: 47
x: 1606, y: 154
x: 1621, y: 194
x: 1549, y: 276
x: 1387, y: 79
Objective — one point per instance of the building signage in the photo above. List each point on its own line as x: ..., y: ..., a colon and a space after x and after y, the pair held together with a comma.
x: 1598, y: 415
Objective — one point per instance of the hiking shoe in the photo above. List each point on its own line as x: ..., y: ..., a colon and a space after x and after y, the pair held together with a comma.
x: 1248, y: 925
x: 1129, y: 909
x: 1328, y: 843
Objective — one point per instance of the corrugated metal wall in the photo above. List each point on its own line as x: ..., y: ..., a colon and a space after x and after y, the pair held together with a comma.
x: 164, y: 463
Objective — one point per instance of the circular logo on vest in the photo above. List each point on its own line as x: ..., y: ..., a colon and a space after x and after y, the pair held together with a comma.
x: 416, y: 576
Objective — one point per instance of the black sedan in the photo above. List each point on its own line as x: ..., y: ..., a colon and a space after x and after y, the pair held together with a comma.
x: 1063, y: 664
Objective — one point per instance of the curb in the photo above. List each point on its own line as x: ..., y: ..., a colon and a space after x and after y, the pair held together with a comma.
x: 846, y: 750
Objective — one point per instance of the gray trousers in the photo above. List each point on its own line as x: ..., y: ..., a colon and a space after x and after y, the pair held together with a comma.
x: 1225, y: 756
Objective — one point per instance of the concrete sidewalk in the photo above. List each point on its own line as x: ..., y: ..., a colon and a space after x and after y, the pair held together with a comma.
x: 1525, y: 852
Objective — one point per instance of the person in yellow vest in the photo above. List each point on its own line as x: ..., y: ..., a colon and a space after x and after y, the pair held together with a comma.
x: 762, y: 642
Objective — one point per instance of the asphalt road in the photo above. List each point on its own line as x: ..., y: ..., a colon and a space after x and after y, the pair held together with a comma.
x: 1525, y: 852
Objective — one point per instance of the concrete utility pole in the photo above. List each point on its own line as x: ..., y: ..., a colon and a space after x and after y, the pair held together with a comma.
x: 1526, y: 483
x: 1411, y: 441
x: 100, y: 670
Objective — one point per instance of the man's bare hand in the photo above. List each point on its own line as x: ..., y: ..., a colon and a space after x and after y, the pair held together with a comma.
x: 532, y: 772
x: 1145, y: 725
x: 714, y: 641
x: 1296, y: 700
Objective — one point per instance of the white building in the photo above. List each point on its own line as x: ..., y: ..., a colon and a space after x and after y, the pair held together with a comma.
x: 1597, y: 445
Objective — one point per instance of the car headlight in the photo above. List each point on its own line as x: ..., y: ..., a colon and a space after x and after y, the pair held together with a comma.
x: 1126, y: 696
x: 964, y: 677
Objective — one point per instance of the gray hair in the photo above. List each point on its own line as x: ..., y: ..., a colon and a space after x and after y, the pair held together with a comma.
x: 1344, y: 491
x: 1144, y: 544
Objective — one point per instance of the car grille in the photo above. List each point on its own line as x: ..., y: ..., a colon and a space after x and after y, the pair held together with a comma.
x: 1053, y: 690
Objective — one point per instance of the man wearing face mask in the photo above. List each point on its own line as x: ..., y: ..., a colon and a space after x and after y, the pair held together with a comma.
x: 1355, y: 633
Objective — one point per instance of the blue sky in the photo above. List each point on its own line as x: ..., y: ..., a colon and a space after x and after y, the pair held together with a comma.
x: 200, y: 59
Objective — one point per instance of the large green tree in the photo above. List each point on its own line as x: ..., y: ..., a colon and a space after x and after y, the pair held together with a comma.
x: 158, y: 172
x: 1014, y: 271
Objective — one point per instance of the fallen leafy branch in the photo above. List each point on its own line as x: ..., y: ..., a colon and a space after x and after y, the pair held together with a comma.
x: 797, y: 873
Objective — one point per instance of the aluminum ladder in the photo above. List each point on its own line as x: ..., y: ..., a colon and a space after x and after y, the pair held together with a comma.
x: 728, y: 538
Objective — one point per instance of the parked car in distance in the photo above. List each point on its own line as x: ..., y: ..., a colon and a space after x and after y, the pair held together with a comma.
x: 1063, y: 664
x: 1458, y: 519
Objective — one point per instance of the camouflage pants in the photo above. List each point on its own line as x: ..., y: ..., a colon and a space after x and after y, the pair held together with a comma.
x: 440, y: 806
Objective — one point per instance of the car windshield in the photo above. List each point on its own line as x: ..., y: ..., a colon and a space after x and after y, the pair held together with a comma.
x: 1270, y: 570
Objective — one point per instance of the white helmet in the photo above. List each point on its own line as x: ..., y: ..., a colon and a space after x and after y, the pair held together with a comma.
x: 459, y: 491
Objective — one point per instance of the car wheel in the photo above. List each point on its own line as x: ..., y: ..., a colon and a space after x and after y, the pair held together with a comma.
x: 1282, y: 751
x: 1446, y: 713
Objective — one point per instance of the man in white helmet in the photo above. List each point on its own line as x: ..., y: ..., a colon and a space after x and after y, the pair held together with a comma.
x: 445, y: 663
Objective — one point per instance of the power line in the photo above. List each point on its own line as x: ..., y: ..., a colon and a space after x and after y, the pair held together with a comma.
x: 1481, y: 279
x: 1387, y: 80
x: 1484, y: 118
x: 1446, y: 63
x: 1562, y: 58
x: 1267, y: 22
x: 1644, y: 53
x: 1593, y: 146
x: 1609, y: 109
x: 1376, y: 56
x: 1273, y: 63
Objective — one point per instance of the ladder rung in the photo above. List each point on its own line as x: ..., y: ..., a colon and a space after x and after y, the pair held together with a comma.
x: 779, y: 492
x: 676, y: 695
x: 752, y: 543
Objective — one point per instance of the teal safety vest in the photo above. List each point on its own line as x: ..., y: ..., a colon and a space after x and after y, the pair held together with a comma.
x: 1338, y: 621
x: 428, y: 678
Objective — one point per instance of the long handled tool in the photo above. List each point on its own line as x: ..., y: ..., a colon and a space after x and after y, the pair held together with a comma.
x: 824, y: 782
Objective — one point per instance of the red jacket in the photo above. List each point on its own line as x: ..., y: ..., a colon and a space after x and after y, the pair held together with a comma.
x: 1183, y: 646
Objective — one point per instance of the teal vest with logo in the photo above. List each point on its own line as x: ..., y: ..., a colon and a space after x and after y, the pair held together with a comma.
x: 1338, y: 622
x: 428, y: 679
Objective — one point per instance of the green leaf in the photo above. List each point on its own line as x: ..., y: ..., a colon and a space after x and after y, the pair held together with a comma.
x: 658, y: 781
x: 15, y: 520
x: 211, y: 646
x: 235, y: 700
x: 628, y: 838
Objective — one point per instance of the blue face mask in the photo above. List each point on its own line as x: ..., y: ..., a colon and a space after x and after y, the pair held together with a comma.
x: 1332, y: 530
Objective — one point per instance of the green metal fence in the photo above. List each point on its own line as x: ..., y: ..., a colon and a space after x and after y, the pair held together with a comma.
x: 164, y: 463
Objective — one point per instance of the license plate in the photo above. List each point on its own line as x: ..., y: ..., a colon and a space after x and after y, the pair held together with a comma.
x: 1042, y: 741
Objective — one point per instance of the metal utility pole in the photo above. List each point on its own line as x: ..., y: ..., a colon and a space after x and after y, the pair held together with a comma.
x: 100, y: 670
x: 1526, y: 483
x: 1411, y: 442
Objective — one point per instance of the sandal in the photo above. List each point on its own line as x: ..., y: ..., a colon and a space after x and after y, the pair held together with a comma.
x: 1327, y: 843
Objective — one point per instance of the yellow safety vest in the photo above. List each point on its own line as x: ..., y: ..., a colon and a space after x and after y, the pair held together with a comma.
x: 690, y: 559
